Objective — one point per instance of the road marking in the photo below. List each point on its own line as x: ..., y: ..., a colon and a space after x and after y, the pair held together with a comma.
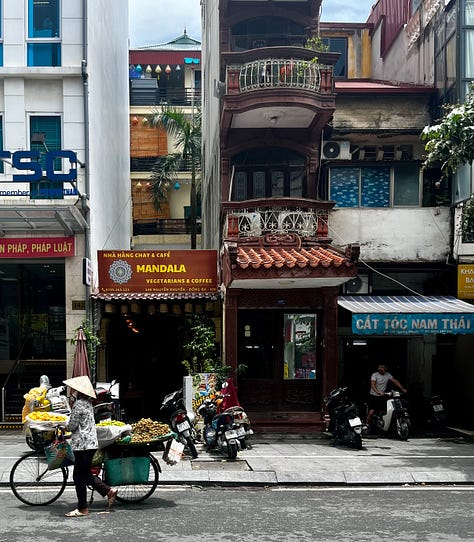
x: 374, y: 488
x: 377, y: 456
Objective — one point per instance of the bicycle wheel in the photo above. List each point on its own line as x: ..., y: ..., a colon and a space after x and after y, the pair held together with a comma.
x: 140, y: 492
x: 32, y: 482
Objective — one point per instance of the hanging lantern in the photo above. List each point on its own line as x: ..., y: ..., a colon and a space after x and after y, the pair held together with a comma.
x: 177, y: 186
x: 178, y: 68
x: 168, y: 70
x: 139, y: 70
x: 158, y: 71
x: 134, y: 120
x: 148, y: 72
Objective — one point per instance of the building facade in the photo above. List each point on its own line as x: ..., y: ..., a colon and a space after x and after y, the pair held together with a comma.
x: 64, y: 172
x: 346, y: 152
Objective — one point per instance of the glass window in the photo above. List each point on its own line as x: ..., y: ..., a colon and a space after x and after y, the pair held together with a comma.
x: 375, y: 187
x: 241, y: 185
x: 45, y: 135
x: 299, y: 346
x: 371, y: 187
x: 32, y: 311
x: 43, y: 18
x: 469, y: 12
x: 344, y: 186
x: 338, y: 45
x: 406, y: 185
x: 278, y: 184
x: 259, y: 184
x: 44, y: 29
x: 469, y: 60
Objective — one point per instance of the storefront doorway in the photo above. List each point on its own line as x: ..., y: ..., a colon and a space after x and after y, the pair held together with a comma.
x: 281, y: 350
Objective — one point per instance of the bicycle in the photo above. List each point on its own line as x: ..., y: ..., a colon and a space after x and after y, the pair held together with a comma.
x: 34, y: 484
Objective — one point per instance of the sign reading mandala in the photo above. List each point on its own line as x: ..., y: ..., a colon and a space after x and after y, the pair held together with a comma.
x: 155, y: 271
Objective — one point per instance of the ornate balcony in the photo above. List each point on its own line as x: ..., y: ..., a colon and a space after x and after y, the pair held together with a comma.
x: 261, y: 217
x: 270, y: 73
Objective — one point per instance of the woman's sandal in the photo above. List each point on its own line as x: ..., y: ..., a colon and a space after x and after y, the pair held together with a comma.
x: 75, y: 514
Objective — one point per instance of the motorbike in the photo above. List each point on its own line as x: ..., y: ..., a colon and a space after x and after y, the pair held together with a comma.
x: 437, y: 412
x: 394, y: 418
x: 107, y: 404
x: 221, y: 431
x: 230, y: 404
x: 342, y: 418
x: 174, y: 409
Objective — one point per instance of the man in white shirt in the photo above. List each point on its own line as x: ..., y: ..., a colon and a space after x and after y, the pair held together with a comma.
x: 378, y: 385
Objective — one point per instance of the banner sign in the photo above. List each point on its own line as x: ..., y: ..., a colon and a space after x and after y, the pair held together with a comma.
x: 412, y: 323
x: 466, y: 281
x: 37, y: 247
x: 155, y: 271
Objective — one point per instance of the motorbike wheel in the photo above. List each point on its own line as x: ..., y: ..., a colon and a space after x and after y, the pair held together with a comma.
x: 191, y: 447
x: 30, y: 442
x: 232, y: 450
x: 402, y: 428
x: 357, y: 441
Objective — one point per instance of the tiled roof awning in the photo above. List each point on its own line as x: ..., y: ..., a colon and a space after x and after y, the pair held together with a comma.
x: 408, y: 315
x: 277, y: 266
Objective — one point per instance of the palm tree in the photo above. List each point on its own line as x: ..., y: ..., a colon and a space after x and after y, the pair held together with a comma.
x: 186, y: 134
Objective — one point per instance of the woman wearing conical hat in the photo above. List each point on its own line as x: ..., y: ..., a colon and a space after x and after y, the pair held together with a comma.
x: 84, y: 444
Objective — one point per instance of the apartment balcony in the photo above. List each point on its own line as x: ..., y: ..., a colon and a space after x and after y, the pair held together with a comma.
x: 164, y: 226
x: 278, y: 87
x: 278, y: 216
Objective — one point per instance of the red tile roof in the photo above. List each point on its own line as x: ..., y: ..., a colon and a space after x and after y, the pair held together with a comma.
x: 279, y: 257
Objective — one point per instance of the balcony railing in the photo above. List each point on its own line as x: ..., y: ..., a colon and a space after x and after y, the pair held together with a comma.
x: 153, y: 95
x: 256, y: 218
x: 279, y: 73
x: 164, y: 226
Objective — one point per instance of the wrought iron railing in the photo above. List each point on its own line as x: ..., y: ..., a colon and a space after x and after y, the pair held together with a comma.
x: 277, y: 218
x: 277, y: 73
x: 164, y: 226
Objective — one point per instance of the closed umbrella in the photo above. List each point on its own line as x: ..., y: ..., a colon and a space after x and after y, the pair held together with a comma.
x: 81, y: 362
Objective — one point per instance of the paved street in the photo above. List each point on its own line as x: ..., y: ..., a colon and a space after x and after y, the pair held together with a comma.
x: 278, y: 514
x: 293, y: 460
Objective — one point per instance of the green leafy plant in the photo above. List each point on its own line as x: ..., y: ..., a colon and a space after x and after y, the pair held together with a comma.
x: 450, y: 143
x: 201, y: 349
x: 467, y: 222
x: 315, y: 43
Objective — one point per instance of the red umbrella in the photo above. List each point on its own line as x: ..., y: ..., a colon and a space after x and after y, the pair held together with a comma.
x: 81, y: 362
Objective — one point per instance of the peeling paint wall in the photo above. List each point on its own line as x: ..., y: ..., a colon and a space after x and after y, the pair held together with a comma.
x: 394, y: 235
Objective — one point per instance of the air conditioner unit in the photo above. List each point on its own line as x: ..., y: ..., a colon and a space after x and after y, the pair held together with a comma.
x: 357, y: 285
x: 337, y: 150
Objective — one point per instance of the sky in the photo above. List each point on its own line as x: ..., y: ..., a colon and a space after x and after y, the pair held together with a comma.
x: 158, y: 21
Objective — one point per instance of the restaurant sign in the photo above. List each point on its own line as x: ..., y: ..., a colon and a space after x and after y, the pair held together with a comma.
x: 412, y: 323
x: 466, y: 281
x: 155, y: 271
x: 37, y: 247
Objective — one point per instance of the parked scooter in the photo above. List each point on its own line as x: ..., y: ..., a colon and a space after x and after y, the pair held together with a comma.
x: 174, y: 409
x: 437, y: 412
x: 221, y: 431
x: 107, y: 402
x: 230, y: 404
x: 394, y: 418
x: 342, y: 418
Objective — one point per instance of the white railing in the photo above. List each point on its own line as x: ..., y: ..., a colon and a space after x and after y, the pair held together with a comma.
x: 280, y: 72
x: 262, y: 222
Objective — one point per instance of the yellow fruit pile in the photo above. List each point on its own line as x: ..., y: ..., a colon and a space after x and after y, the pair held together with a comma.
x: 147, y: 429
x: 47, y: 417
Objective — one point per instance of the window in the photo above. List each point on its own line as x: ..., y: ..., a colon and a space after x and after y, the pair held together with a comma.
x: 338, y: 45
x: 1, y: 37
x: 45, y: 135
x: 375, y: 186
x: 300, y: 346
x: 32, y: 313
x: 44, y: 47
x: 269, y: 173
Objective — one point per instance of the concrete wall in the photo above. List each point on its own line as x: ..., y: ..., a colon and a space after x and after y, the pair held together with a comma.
x: 394, y: 235
x: 210, y: 136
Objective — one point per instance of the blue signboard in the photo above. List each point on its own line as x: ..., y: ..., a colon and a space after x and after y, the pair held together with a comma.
x: 412, y: 323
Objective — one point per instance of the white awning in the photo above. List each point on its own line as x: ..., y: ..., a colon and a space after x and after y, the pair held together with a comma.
x: 405, y: 315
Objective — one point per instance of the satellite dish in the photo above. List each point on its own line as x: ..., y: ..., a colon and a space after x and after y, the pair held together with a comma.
x: 331, y: 149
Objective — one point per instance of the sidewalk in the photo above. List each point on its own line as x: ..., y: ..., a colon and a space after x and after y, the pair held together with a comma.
x: 309, y: 460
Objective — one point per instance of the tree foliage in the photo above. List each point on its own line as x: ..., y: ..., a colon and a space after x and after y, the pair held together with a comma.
x: 450, y: 143
x: 186, y: 135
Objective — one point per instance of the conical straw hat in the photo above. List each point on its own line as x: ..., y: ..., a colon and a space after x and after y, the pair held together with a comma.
x: 82, y: 384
